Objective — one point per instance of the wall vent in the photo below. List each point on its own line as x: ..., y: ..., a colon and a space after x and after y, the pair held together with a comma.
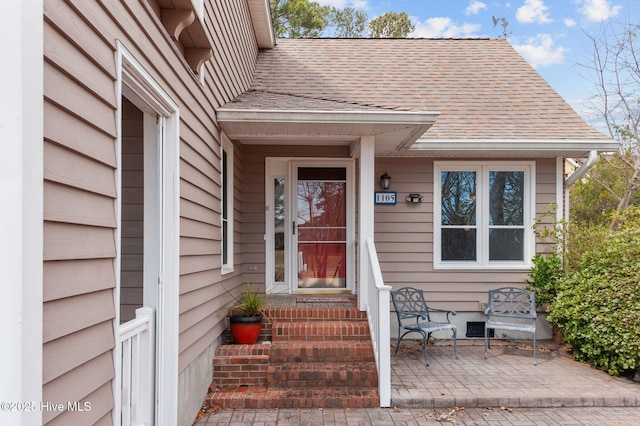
x: 476, y: 329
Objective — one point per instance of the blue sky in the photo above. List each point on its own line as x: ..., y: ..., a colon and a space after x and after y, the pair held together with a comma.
x: 549, y: 34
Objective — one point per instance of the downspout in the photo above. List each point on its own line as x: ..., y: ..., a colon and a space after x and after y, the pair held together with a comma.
x: 591, y: 160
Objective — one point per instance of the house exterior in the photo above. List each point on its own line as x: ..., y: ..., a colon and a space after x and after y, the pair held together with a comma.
x: 164, y: 153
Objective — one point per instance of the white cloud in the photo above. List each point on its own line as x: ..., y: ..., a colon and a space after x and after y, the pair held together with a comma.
x: 541, y: 51
x: 475, y: 7
x: 598, y: 10
x: 443, y: 27
x: 533, y: 11
x: 570, y: 22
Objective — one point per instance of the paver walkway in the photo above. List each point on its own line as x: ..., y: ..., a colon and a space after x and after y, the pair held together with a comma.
x: 505, y: 389
x: 412, y: 416
x: 507, y: 378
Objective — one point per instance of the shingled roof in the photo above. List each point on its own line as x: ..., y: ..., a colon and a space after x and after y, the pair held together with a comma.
x: 482, y: 88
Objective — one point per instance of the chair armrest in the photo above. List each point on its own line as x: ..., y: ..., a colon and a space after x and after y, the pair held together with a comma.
x: 420, y: 316
x: 448, y: 312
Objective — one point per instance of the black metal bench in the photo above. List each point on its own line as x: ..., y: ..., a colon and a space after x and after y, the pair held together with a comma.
x: 414, y: 316
x: 511, y: 308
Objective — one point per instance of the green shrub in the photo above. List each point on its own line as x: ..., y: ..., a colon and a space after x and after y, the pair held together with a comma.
x: 544, y: 276
x: 598, y: 306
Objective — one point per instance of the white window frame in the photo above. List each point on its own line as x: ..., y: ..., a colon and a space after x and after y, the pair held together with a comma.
x: 226, y: 182
x: 482, y: 170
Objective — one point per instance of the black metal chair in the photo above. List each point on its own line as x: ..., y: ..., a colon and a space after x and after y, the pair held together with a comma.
x: 414, y: 316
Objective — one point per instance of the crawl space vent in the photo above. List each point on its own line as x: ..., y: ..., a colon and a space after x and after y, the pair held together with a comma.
x: 476, y: 329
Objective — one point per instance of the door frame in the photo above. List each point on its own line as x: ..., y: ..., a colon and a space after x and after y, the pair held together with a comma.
x: 285, y: 167
x: 162, y: 140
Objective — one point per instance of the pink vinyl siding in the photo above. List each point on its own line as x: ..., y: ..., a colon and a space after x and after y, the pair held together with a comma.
x: 80, y: 185
x: 404, y: 238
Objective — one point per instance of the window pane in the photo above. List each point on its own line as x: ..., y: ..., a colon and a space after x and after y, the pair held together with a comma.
x: 225, y: 186
x: 322, y: 204
x: 278, y: 226
x: 225, y: 242
x: 322, y: 265
x: 322, y: 173
x: 506, y: 244
x: 458, y: 244
x: 458, y: 198
x: 506, y: 193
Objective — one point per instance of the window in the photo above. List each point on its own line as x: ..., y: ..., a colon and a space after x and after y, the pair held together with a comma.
x: 483, y: 215
x: 226, y: 182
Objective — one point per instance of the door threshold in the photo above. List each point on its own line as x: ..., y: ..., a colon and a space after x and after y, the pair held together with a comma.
x: 316, y: 291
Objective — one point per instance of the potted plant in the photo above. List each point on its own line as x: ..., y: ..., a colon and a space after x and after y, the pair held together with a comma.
x: 245, y: 319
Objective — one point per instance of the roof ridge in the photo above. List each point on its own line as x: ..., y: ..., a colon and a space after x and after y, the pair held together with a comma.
x: 392, y: 38
x: 271, y: 92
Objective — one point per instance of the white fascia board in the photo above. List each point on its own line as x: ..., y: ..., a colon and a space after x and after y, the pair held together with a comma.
x: 329, y: 117
x: 602, y: 145
x: 260, y: 12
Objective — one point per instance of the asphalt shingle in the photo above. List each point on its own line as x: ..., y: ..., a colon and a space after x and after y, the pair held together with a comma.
x: 482, y: 87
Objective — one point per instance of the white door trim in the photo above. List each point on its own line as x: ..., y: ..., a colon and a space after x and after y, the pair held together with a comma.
x: 138, y: 85
x: 286, y: 167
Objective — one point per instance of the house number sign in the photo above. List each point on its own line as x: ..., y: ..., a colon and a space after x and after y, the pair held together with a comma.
x: 386, y: 197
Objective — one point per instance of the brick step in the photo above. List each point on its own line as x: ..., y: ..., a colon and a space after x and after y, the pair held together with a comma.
x: 320, y: 331
x: 259, y: 397
x: 322, y: 352
x: 356, y: 375
x: 288, y: 314
x: 239, y: 365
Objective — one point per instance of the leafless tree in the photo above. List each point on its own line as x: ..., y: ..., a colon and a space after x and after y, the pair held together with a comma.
x: 615, y: 69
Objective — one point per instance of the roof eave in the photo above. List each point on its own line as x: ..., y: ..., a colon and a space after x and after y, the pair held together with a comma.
x: 544, y: 147
x: 420, y: 118
x: 260, y: 12
x: 393, y: 130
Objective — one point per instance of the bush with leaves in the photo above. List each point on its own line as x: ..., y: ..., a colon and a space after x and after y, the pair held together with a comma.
x: 598, y: 306
x: 544, y: 276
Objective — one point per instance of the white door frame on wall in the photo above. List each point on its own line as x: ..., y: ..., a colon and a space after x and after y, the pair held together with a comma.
x: 285, y: 168
x: 137, y: 83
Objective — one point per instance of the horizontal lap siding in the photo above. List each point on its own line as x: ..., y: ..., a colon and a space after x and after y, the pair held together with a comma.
x: 545, y: 198
x: 404, y: 237
x: 203, y: 295
x: 80, y: 186
x: 79, y: 214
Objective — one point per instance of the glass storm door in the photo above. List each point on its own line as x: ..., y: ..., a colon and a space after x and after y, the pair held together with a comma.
x: 320, y: 228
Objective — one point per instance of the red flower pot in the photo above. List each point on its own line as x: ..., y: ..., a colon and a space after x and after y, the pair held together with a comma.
x: 245, y: 330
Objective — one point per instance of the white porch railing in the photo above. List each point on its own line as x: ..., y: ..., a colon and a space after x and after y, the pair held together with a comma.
x: 137, y: 346
x: 378, y: 314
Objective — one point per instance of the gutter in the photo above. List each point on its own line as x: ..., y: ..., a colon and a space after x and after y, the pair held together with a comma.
x: 591, y: 160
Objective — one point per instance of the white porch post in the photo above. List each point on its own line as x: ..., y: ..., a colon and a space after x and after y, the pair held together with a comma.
x: 365, y: 219
x: 21, y: 213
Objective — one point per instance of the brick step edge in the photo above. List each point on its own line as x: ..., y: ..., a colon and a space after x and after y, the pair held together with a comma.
x: 243, y: 350
x: 350, y: 375
x: 315, y: 314
x: 321, y: 352
x: 320, y: 331
x: 258, y: 397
